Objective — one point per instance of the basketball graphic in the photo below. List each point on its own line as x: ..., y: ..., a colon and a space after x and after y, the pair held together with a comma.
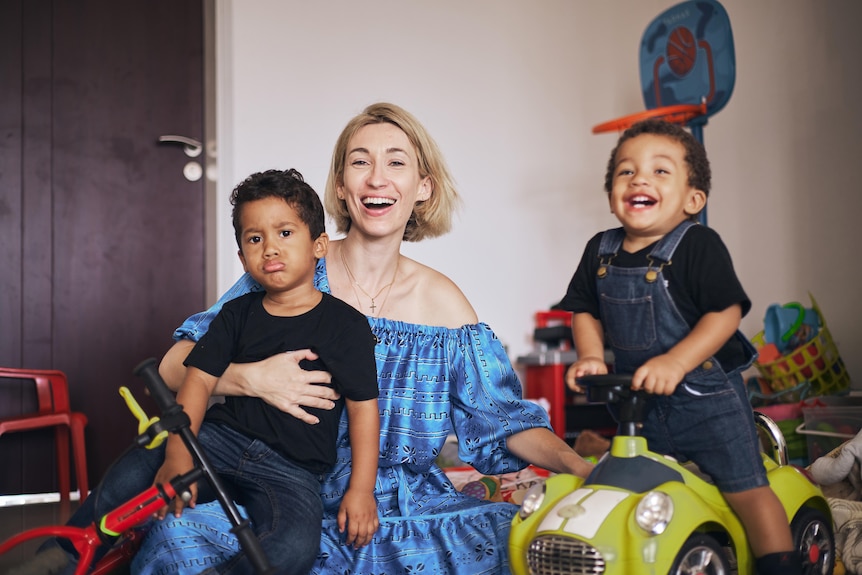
x: 681, y: 51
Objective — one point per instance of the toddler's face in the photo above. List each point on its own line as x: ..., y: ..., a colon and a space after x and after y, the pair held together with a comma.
x: 277, y: 248
x: 651, y: 195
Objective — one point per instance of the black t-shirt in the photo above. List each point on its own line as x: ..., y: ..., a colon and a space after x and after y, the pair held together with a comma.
x: 700, y: 279
x: 243, y: 332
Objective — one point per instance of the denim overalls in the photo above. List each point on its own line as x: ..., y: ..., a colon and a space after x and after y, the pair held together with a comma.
x: 708, y: 419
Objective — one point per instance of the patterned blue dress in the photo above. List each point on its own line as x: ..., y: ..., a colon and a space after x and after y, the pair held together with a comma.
x: 434, y: 381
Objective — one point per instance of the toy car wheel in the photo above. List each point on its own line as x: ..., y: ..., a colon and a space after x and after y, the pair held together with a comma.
x: 814, y: 540
x: 701, y: 554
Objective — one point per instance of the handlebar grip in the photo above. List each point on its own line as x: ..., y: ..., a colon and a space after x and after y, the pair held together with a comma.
x: 159, y: 391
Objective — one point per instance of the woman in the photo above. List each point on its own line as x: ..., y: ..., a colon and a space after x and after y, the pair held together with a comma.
x: 440, y: 372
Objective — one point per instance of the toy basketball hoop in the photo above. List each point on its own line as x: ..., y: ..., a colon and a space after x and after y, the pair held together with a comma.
x: 687, y: 67
x: 677, y: 114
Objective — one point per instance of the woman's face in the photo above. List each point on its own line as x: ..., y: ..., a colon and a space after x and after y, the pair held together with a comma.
x: 381, y: 181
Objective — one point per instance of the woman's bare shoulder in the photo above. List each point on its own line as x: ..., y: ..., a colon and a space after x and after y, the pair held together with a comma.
x: 435, y: 299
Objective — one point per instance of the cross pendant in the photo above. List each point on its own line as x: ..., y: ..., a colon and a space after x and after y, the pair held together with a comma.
x: 373, y: 307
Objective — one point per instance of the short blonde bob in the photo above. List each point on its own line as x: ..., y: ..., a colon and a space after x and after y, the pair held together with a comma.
x: 430, y: 218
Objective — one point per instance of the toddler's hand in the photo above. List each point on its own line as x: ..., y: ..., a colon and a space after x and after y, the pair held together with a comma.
x: 358, y: 515
x: 170, y: 469
x: 584, y: 366
x: 660, y: 375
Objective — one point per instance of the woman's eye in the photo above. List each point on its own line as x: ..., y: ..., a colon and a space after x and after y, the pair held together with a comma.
x: 359, y: 162
x: 396, y: 163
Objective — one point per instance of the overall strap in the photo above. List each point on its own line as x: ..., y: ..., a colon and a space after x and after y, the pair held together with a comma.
x: 665, y: 248
x: 611, y: 242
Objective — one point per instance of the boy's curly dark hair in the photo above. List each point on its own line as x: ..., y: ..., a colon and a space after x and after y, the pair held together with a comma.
x: 288, y: 185
x: 699, y: 173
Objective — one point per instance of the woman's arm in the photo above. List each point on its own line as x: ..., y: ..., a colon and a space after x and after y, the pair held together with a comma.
x: 541, y: 447
x: 278, y: 380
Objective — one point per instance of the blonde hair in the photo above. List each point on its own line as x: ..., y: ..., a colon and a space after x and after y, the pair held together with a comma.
x: 430, y: 218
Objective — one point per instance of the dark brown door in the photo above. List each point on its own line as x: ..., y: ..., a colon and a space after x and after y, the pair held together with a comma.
x: 101, y: 235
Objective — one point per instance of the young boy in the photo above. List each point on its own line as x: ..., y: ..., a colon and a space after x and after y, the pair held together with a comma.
x: 273, y: 462
x: 662, y: 293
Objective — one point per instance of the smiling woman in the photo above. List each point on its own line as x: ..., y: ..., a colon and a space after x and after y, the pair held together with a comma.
x: 440, y: 371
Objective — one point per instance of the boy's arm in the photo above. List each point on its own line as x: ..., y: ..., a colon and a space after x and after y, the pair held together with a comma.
x: 358, y: 512
x: 193, y: 397
x: 662, y: 374
x: 589, y: 340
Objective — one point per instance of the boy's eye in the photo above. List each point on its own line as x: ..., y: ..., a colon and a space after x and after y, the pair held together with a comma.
x: 286, y: 233
x: 625, y: 172
x: 661, y: 171
x: 254, y: 239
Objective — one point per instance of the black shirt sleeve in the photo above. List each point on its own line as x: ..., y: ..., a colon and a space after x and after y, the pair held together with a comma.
x: 581, y: 295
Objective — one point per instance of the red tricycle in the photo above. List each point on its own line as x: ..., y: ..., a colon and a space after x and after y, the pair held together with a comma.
x: 117, y: 527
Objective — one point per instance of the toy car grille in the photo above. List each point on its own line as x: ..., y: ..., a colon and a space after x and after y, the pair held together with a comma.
x: 555, y: 555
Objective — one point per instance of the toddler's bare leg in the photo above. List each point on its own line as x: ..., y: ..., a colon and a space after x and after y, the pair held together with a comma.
x: 764, y: 520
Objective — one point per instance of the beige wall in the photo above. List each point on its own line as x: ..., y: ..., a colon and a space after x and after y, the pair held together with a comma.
x: 510, y: 90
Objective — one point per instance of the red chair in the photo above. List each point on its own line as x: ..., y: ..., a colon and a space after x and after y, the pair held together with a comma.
x: 52, y: 393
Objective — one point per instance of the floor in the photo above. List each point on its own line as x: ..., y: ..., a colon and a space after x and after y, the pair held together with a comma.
x: 19, y: 518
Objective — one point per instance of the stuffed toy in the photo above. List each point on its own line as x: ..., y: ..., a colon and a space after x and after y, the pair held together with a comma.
x: 839, y: 474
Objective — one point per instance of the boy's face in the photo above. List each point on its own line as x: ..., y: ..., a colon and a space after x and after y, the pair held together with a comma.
x: 651, y: 195
x: 277, y: 248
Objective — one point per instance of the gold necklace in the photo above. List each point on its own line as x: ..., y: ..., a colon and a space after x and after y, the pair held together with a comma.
x: 355, y: 284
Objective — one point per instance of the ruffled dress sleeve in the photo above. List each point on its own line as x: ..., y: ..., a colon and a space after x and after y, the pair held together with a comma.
x: 198, y: 324
x: 487, y: 401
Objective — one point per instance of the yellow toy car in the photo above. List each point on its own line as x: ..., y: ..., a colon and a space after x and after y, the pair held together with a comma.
x: 643, y: 513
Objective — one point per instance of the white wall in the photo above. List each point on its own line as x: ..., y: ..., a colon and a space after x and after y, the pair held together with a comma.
x: 511, y: 89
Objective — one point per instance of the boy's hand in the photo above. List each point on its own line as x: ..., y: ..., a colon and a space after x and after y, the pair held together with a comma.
x: 584, y: 366
x: 172, y: 467
x: 358, y: 515
x: 660, y: 375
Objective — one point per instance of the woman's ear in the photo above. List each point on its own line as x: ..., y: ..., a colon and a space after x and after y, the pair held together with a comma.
x: 696, y: 202
x: 426, y: 188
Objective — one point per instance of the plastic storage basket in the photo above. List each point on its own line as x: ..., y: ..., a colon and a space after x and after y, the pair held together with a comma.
x: 829, y: 422
x: 816, y: 361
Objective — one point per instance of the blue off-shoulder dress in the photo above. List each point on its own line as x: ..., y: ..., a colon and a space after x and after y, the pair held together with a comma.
x: 434, y: 381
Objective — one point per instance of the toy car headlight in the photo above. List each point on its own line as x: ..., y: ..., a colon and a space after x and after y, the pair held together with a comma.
x: 532, y: 500
x: 654, y: 512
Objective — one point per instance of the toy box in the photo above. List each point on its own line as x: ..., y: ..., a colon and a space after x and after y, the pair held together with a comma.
x: 829, y: 422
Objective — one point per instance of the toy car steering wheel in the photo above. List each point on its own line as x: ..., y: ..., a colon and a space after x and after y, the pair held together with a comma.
x: 615, y: 388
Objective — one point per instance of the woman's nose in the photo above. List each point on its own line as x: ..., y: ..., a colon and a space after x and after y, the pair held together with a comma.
x: 377, y: 175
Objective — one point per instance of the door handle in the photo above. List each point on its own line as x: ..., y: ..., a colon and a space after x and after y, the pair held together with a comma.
x: 192, y: 147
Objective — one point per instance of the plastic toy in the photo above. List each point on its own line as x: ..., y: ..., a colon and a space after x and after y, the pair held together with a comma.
x: 643, y: 513
x: 120, y: 523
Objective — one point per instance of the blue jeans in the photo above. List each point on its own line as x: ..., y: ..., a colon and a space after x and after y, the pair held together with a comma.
x: 282, y: 499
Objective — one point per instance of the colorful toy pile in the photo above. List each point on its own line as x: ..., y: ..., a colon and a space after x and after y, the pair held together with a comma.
x: 797, y: 357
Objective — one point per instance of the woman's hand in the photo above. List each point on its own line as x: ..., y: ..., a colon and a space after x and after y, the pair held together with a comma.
x: 282, y: 383
x: 278, y: 380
